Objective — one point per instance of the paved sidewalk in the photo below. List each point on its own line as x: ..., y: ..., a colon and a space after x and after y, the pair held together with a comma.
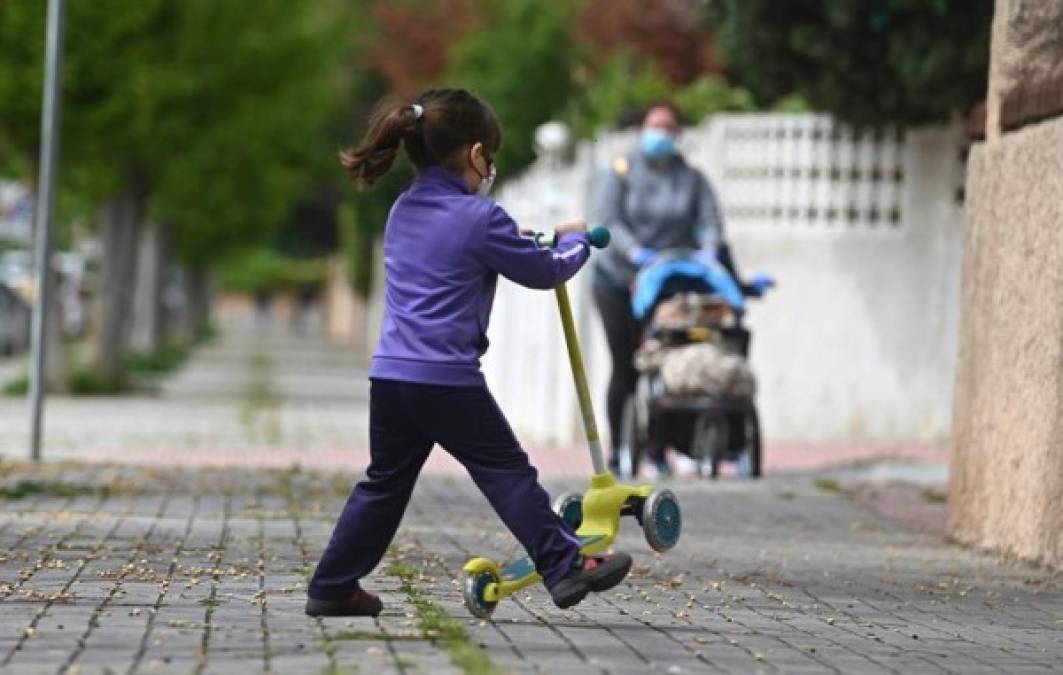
x: 129, y: 570
x: 264, y: 396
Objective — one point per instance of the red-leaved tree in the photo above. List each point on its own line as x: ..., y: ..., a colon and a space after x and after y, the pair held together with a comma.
x: 668, y: 32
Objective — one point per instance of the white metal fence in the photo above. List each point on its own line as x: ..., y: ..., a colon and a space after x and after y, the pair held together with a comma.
x: 864, y: 235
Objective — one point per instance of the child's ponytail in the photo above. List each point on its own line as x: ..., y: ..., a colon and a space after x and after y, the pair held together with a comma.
x: 389, y: 123
x: 435, y: 129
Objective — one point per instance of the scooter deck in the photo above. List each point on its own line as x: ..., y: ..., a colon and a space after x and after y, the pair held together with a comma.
x: 523, y: 567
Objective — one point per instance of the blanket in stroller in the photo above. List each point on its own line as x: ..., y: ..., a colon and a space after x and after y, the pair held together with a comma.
x: 701, y: 363
x: 698, y: 369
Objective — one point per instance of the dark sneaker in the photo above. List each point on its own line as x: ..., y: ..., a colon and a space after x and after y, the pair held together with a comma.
x: 591, y: 574
x: 359, y: 604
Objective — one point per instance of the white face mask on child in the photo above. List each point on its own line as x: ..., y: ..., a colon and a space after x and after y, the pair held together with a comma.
x: 487, y: 182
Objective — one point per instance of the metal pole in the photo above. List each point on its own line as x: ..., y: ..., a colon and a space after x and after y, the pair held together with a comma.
x: 50, y: 120
x: 579, y: 375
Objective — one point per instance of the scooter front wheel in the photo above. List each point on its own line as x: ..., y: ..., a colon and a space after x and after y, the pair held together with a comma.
x: 662, y: 521
x: 475, y: 588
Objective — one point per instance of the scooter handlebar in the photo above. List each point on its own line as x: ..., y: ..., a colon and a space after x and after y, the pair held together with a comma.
x: 598, y: 237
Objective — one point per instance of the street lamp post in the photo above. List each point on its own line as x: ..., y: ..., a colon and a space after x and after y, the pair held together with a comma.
x: 46, y: 167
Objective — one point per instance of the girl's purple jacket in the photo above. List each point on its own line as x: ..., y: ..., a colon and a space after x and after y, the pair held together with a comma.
x: 443, y: 251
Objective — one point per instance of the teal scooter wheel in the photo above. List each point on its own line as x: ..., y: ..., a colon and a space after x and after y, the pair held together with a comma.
x: 662, y: 520
x: 569, y: 505
x: 473, y: 593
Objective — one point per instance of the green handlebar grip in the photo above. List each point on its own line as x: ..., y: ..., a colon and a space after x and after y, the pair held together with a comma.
x: 599, y: 237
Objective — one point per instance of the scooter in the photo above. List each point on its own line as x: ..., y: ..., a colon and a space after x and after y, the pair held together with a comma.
x: 595, y: 515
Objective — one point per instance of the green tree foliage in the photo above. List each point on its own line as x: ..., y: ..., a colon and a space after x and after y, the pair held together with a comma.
x: 625, y: 85
x: 206, y: 115
x: 255, y: 88
x: 523, y: 65
x: 893, y: 62
x: 262, y: 269
x: 214, y: 109
x: 109, y: 94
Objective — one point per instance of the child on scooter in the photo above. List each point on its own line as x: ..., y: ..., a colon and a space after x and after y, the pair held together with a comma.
x: 444, y: 247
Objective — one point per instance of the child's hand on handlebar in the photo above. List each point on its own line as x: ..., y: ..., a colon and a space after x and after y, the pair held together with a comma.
x: 571, y: 226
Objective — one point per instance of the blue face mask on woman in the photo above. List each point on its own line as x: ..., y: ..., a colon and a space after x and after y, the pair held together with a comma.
x: 657, y: 143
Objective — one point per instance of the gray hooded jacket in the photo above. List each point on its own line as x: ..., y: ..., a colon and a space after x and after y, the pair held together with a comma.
x: 654, y: 206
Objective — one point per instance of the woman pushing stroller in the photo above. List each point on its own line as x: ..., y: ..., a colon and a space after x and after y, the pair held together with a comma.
x: 651, y: 200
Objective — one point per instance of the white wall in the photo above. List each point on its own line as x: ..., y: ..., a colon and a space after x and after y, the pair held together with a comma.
x: 858, y: 341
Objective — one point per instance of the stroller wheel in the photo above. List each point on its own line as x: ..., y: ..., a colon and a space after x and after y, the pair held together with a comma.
x: 748, y: 464
x: 661, y: 520
x: 569, y: 505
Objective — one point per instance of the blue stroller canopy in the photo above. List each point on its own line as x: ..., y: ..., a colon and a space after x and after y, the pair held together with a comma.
x: 652, y: 281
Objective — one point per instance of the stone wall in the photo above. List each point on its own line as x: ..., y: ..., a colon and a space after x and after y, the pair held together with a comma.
x: 1006, y: 489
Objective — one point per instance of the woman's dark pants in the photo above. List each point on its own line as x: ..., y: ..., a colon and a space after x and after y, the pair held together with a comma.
x: 405, y: 421
x: 622, y: 332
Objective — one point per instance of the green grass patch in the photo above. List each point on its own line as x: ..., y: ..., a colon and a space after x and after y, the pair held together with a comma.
x: 261, y: 400
x: 167, y: 359
x: 83, y: 381
x: 47, y: 488
x: 934, y: 496
x: 827, y: 485
x: 19, y: 386
x: 87, y: 381
x: 435, y: 623
x: 206, y: 335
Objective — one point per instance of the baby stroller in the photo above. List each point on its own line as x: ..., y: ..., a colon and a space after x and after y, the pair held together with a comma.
x: 695, y: 391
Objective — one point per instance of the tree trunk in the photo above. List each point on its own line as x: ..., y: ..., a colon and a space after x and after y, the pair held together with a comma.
x: 121, y: 224
x: 147, y: 332
x: 197, y: 283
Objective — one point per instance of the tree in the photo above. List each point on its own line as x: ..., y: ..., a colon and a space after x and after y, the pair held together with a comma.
x: 252, y: 92
x: 895, y: 62
x: 668, y: 34
x: 108, y: 97
x: 203, y: 114
x: 407, y: 46
x: 522, y: 63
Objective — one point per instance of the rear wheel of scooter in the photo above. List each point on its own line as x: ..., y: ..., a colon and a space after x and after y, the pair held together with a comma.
x: 748, y: 463
x: 569, y: 505
x: 629, y: 454
x: 475, y: 586
x: 662, y: 520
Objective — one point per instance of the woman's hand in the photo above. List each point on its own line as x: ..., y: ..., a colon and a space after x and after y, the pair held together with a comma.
x: 640, y: 255
x: 570, y: 226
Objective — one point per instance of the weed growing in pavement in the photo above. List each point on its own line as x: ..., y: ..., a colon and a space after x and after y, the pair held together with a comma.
x: 261, y: 400
x: 435, y: 623
x: 29, y: 488
x: 934, y: 496
x: 827, y: 485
